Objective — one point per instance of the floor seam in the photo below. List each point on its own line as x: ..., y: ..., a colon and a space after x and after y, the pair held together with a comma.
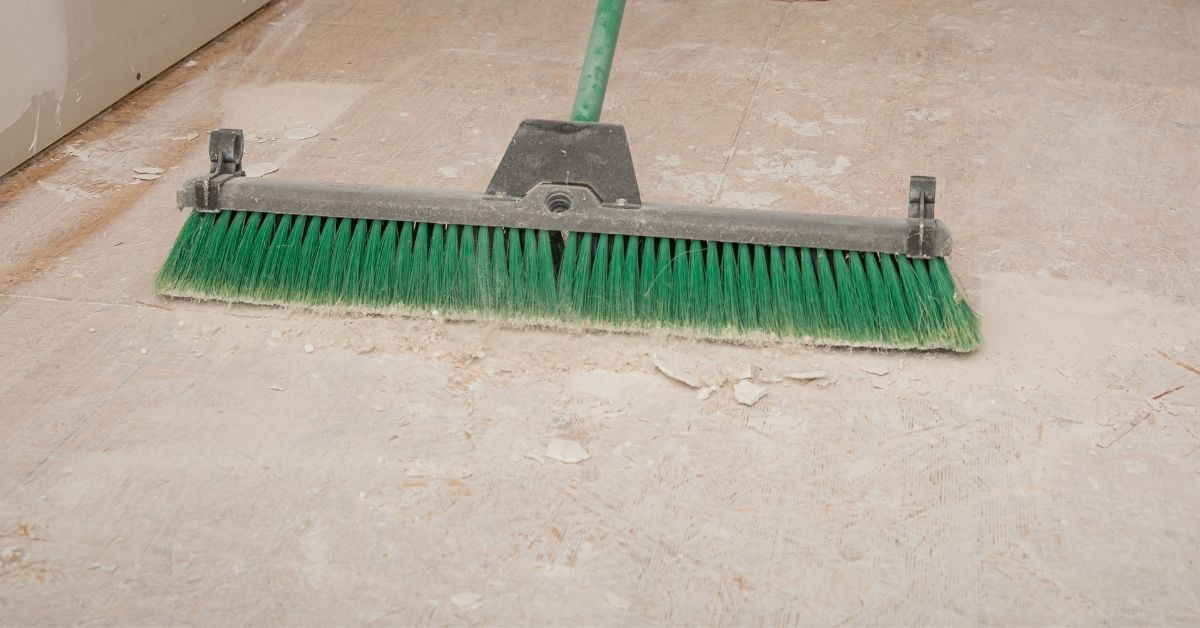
x: 749, y: 105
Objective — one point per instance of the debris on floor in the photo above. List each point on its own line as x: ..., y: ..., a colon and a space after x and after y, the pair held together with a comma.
x: 568, y: 451
x: 466, y: 599
x: 678, y: 372
x: 807, y: 376
x: 747, y: 393
x: 260, y: 169
x: 147, y: 173
x: 741, y: 371
x: 616, y: 601
x: 300, y: 133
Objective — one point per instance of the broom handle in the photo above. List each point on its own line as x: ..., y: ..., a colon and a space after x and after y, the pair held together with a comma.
x: 593, y: 79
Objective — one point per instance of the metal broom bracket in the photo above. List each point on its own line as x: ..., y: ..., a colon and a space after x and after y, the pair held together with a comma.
x: 225, y: 154
x: 921, y: 225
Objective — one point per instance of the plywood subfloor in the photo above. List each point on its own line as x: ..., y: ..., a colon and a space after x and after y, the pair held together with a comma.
x: 171, y: 462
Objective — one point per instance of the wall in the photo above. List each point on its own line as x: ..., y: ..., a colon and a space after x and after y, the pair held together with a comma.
x: 64, y: 61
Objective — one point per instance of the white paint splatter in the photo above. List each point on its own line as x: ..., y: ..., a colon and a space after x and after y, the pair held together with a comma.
x: 929, y: 115
x: 68, y: 193
x: 37, y: 124
x: 747, y: 200
x: 77, y: 153
x: 804, y: 129
x: 789, y: 165
x: 840, y: 121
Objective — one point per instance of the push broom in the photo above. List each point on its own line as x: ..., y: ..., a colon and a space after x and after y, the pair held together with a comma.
x: 561, y: 236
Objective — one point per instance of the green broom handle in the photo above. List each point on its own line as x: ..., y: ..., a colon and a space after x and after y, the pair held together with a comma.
x: 593, y: 79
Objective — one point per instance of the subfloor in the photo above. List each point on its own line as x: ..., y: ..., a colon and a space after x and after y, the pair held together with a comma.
x: 171, y: 462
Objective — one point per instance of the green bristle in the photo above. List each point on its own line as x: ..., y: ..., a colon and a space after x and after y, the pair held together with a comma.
x: 799, y: 315
x: 312, y: 259
x: 273, y: 277
x: 577, y: 291
x: 499, y: 265
x: 531, y: 302
x: 852, y: 295
x: 354, y: 288
x: 331, y: 287
x: 730, y: 313
x: 745, y: 289
x: 645, y: 283
x: 633, y: 279
x: 432, y: 287
x: 662, y: 281
x: 893, y: 293
x: 240, y: 268
x: 541, y: 273
x: 567, y: 274
x: 917, y: 297
x: 482, y: 272
x: 320, y: 278
x: 374, y: 267
x: 514, y: 282
x: 418, y: 266
x: 962, y: 327
x: 679, y: 300
x: 816, y: 321
x: 258, y: 253
x: 288, y: 267
x: 762, y: 290
x: 452, y: 296
x: 225, y: 279
x: 846, y: 298
x: 613, y: 299
x: 298, y: 258
x: 936, y: 304
x: 535, y: 284
x: 713, y: 308
x: 709, y: 287
x: 632, y: 274
x: 833, y: 323
x: 871, y: 314
x: 598, y: 280
x: 389, y: 253
x: 468, y: 285
x: 781, y: 306
x: 222, y: 251
x: 698, y: 306
x: 403, y: 274
x: 201, y: 271
x: 883, y: 307
x: 181, y: 253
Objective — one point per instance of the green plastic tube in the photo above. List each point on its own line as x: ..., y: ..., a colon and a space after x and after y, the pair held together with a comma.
x: 597, y: 63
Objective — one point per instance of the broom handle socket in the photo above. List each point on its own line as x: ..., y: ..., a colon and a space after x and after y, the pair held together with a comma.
x: 597, y: 63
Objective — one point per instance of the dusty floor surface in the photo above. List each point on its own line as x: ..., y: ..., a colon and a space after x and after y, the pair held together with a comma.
x: 172, y: 462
